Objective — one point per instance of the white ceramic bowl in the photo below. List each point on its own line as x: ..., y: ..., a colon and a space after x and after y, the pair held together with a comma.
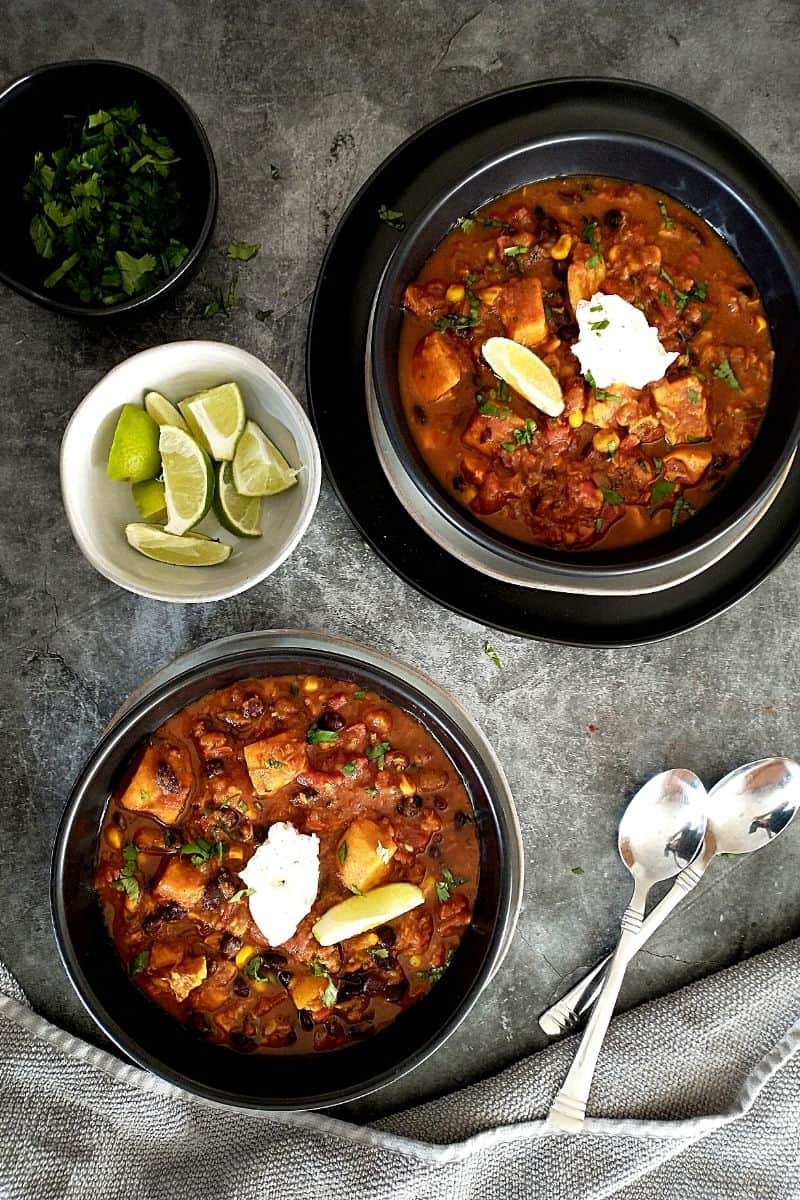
x: 98, y: 508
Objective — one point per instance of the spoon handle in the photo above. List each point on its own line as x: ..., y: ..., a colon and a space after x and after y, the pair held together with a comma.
x: 569, y: 1108
x: 567, y: 1012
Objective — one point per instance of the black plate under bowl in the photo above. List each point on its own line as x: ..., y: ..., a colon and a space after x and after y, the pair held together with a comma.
x: 32, y: 111
x: 411, y: 179
x: 275, y: 1081
x: 754, y: 225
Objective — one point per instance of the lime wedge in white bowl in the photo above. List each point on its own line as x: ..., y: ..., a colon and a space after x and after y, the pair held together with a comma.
x: 188, y: 479
x: 188, y: 550
x: 217, y: 419
x: 163, y: 411
x: 259, y: 468
x: 239, y: 514
x: 99, y: 509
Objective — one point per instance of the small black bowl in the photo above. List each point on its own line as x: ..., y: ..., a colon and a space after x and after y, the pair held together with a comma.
x: 275, y: 1081
x: 749, y: 207
x: 32, y: 111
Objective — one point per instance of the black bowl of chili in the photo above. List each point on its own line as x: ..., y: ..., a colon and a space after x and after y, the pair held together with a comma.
x: 121, y: 217
x: 153, y: 1038
x: 741, y: 199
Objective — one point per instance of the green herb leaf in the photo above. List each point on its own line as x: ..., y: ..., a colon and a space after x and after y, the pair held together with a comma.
x: 447, y: 884
x: 667, y: 219
x: 598, y: 524
x: 465, y: 224
x: 597, y: 326
x: 692, y: 396
x: 200, y: 851
x: 348, y: 768
x: 67, y: 265
x: 127, y: 883
x: 724, y: 371
x: 513, y: 251
x: 663, y: 297
x: 665, y: 275
x: 612, y: 497
x: 134, y: 271
x: 379, y: 952
x: 371, y: 791
x: 242, y: 894
x: 577, y: 870
x: 377, y: 753
x: 360, y: 695
x: 261, y: 314
x: 274, y: 171
x: 330, y: 994
x: 492, y: 655
x: 140, y: 961
x: 242, y: 251
x: 271, y: 764
x: 393, y: 217
x: 456, y: 321
x: 681, y: 505
x: 316, y: 736
x: 434, y: 974
x: 661, y: 489
x: 341, y: 853
x: 254, y: 970
x: 594, y: 261
x: 383, y: 853
x: 590, y: 236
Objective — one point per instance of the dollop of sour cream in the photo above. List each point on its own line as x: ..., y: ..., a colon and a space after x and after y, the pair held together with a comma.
x: 284, y: 876
x: 616, y: 344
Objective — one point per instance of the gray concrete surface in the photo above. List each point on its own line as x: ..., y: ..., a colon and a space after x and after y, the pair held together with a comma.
x: 325, y: 91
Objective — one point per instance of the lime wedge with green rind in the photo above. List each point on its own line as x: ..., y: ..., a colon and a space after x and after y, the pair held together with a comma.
x: 134, y: 451
x: 239, y: 514
x: 357, y: 914
x: 188, y: 479
x: 148, y: 496
x: 259, y: 468
x: 190, y: 550
x: 163, y: 411
x: 216, y: 418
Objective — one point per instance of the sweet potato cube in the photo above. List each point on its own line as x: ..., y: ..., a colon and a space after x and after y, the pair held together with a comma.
x: 522, y: 310
x: 681, y: 406
x: 486, y: 434
x: 189, y: 975
x: 688, y: 464
x: 182, y: 882
x: 160, y: 784
x: 306, y: 991
x: 435, y: 366
x: 273, y: 762
x: 365, y: 853
x: 583, y: 281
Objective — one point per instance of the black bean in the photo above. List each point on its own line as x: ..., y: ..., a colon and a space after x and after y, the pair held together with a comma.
x: 560, y: 268
x: 229, y: 945
x: 568, y: 331
x: 212, y: 896
x: 240, y: 986
x: 284, y: 978
x: 166, y: 778
x: 460, y: 819
x: 538, y: 211
x: 226, y: 883
x: 440, y: 803
x: 290, y: 1038
x: 409, y: 806
x: 419, y: 414
x: 198, y: 1023
x: 720, y: 461
x: 214, y: 766
x: 331, y: 720
x: 396, y: 991
x: 242, y: 1043
x: 253, y: 707
x: 306, y: 1019
x: 434, y: 852
x: 365, y: 1029
x: 549, y: 229
x: 273, y: 958
x: 333, y: 1028
x: 229, y: 818
x: 386, y: 964
x: 458, y: 483
x: 386, y: 935
x: 259, y: 832
x: 151, y: 924
x: 613, y: 219
x: 747, y: 289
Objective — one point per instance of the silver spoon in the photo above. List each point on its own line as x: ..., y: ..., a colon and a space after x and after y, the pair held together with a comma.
x: 660, y: 834
x: 746, y: 809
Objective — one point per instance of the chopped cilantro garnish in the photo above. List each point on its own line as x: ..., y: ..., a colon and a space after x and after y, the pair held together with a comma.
x: 242, y: 251
x: 593, y: 261
x: 316, y: 736
x: 667, y: 219
x: 377, y: 753
x: 577, y: 870
x: 331, y: 991
x: 371, y: 791
x: 447, y: 884
x: 724, y: 370
x: 140, y: 961
x: 242, y: 894
x: 393, y: 217
x: 590, y: 235
x: 492, y: 655
x: 663, y: 297
x: 513, y: 251
x: 665, y: 275
x: 681, y: 505
x: 612, y: 497
x: 456, y: 321
x: 127, y: 881
x: 434, y: 974
x: 379, y: 952
x: 465, y: 224
x: 200, y: 851
x: 597, y: 326
x: 348, y: 768
x: 359, y: 695
x: 661, y: 489
x: 341, y: 853
x: 262, y: 314
x: 253, y: 970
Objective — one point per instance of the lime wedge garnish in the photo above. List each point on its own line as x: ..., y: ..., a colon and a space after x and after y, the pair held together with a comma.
x: 239, y: 514
x: 148, y: 496
x: 259, y: 468
x: 525, y: 372
x: 188, y: 479
x: 191, y: 550
x: 357, y: 914
x: 134, y: 450
x: 163, y: 411
x: 216, y: 418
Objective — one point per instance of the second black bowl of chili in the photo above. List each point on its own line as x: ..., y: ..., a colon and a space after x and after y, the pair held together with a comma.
x: 623, y: 477
x: 386, y: 785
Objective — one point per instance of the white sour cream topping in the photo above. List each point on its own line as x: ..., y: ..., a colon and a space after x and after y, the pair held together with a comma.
x: 284, y: 876
x: 616, y: 344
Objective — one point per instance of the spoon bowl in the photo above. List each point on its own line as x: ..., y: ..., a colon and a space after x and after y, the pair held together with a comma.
x: 753, y: 804
x: 662, y: 828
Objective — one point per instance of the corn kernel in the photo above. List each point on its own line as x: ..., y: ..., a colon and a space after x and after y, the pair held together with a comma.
x: 236, y: 853
x: 614, y: 253
x: 415, y: 960
x: 569, y: 538
x: 406, y: 786
x: 261, y: 985
x: 575, y: 419
x: 311, y: 684
x: 455, y: 293
x: 605, y: 441
x: 562, y: 247
x: 469, y: 493
x: 761, y: 323
x: 491, y: 256
x: 114, y: 838
x: 488, y: 296
x: 244, y: 956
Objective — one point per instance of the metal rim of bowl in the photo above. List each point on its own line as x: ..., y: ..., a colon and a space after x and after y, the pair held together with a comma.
x: 186, y: 269
x: 237, y: 651
x: 559, y: 564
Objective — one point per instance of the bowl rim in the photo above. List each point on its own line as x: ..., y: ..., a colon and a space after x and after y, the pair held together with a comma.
x: 242, y: 648
x: 165, y: 286
x: 209, y: 594
x: 625, y: 561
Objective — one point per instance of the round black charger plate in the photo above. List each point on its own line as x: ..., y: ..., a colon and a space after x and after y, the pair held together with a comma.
x: 353, y: 264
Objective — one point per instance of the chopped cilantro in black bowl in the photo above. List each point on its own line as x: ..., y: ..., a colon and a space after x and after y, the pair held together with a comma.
x: 139, y: 232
